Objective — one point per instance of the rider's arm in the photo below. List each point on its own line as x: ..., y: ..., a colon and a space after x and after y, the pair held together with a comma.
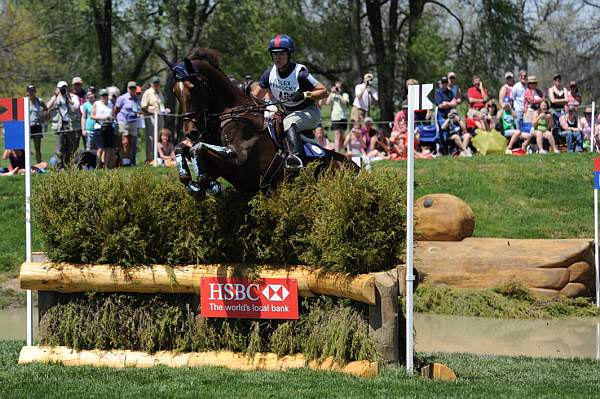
x: 261, y: 93
x: 318, y: 92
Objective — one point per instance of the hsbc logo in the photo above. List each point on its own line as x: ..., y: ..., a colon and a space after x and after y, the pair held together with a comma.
x: 265, y: 298
x: 275, y: 292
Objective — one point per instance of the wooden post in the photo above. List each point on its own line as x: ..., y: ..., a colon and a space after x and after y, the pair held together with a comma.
x: 384, y: 319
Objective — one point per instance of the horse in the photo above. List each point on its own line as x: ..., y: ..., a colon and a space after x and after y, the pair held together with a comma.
x: 227, y: 133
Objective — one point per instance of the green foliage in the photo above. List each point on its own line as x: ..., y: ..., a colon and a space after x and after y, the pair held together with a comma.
x: 430, y: 50
x: 341, y: 222
x: 167, y: 322
x: 510, y: 300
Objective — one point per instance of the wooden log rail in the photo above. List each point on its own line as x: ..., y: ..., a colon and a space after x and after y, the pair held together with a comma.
x: 70, y: 277
x: 126, y: 358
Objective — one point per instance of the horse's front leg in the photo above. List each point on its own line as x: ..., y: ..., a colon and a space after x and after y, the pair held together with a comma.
x: 182, y: 154
x: 224, y: 152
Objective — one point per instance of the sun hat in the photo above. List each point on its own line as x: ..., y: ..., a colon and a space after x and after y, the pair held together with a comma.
x: 444, y: 79
x: 451, y: 75
x: 62, y: 83
x: 76, y: 80
x: 103, y: 92
x: 131, y: 84
x: 532, y: 79
x: 508, y: 75
x: 368, y: 119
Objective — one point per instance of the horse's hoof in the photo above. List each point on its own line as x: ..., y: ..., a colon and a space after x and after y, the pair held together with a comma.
x: 195, y: 191
x: 214, y: 188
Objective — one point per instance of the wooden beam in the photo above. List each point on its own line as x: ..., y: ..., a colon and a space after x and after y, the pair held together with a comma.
x: 71, y: 277
x: 239, y: 361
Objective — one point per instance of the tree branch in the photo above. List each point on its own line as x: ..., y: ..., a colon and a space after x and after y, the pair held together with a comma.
x: 462, y: 30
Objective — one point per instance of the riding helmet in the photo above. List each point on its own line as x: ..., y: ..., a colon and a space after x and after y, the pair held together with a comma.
x: 281, y: 43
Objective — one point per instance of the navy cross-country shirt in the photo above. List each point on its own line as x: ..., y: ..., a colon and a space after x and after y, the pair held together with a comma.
x: 295, y: 78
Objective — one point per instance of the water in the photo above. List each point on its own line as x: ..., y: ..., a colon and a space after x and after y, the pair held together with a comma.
x: 560, y: 338
x: 13, y: 323
x: 564, y: 338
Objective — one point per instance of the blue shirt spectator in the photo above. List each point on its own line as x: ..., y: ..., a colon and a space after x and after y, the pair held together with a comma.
x: 444, y: 99
x: 129, y: 107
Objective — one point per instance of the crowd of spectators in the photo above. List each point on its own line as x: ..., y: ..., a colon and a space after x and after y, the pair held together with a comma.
x: 107, y: 123
x: 523, y: 117
x: 103, y: 125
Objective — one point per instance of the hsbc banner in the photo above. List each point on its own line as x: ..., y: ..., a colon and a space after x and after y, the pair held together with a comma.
x: 266, y: 298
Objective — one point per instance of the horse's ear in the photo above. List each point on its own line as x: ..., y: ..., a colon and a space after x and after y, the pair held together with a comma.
x: 189, y: 67
x: 169, y: 64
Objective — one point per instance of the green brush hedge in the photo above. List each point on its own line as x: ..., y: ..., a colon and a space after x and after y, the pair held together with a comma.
x: 167, y: 322
x: 342, y: 222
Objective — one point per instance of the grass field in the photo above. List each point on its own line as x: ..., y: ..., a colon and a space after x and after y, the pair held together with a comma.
x: 534, y: 196
x: 478, y: 377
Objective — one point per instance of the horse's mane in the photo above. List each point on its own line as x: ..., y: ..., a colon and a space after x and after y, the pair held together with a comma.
x: 213, y: 57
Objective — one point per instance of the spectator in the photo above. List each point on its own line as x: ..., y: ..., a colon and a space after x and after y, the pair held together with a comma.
x: 454, y: 87
x: 77, y: 90
x: 570, y: 127
x: 102, y: 114
x: 368, y: 133
x: 364, y: 95
x: 63, y: 106
x: 517, y: 95
x: 586, y: 125
x: 166, y: 151
x: 17, y: 163
x: 379, y: 148
x: 557, y: 95
x: 573, y: 94
x: 87, y: 123
x: 115, y: 158
x: 246, y: 85
x: 491, y: 120
x: 542, y: 128
x: 445, y: 101
x: 153, y: 101
x: 508, y: 124
x: 37, y: 115
x: 127, y: 109
x: 533, y: 97
x: 321, y: 138
x: 478, y: 95
x: 354, y: 144
x: 506, y: 89
x: 339, y: 114
x: 457, y: 133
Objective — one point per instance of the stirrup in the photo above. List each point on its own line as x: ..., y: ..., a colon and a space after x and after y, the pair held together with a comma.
x: 293, y: 162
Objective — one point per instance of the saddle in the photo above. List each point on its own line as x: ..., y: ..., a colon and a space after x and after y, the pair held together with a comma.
x: 274, y: 122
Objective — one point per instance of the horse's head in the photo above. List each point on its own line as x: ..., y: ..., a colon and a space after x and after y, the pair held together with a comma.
x: 192, y: 91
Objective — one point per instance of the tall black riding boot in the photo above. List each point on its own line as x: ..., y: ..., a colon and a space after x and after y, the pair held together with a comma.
x: 293, y: 160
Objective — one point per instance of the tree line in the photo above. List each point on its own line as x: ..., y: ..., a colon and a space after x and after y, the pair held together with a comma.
x: 110, y: 42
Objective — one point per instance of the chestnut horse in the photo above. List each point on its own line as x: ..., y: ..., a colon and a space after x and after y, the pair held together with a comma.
x: 227, y: 134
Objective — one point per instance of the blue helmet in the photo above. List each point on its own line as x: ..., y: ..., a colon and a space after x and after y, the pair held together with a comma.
x: 281, y: 43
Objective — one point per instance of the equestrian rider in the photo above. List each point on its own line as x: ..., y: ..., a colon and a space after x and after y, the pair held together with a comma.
x: 291, y: 83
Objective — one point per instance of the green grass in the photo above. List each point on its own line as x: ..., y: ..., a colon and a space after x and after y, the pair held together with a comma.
x: 535, y: 196
x: 479, y: 377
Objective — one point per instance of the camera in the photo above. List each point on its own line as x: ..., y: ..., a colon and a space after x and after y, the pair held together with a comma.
x: 368, y: 83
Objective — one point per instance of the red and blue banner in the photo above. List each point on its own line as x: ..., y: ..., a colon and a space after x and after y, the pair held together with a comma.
x: 596, y: 173
x: 12, y: 109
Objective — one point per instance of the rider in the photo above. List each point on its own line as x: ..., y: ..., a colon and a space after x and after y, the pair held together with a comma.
x: 291, y: 83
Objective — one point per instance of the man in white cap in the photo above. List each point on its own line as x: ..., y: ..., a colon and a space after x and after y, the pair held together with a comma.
x: 77, y: 90
x: 62, y: 106
x: 364, y: 95
x: 153, y: 102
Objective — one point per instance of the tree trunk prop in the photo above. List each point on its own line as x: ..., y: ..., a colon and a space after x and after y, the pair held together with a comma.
x: 70, y: 277
x: 237, y: 361
x: 546, y: 267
